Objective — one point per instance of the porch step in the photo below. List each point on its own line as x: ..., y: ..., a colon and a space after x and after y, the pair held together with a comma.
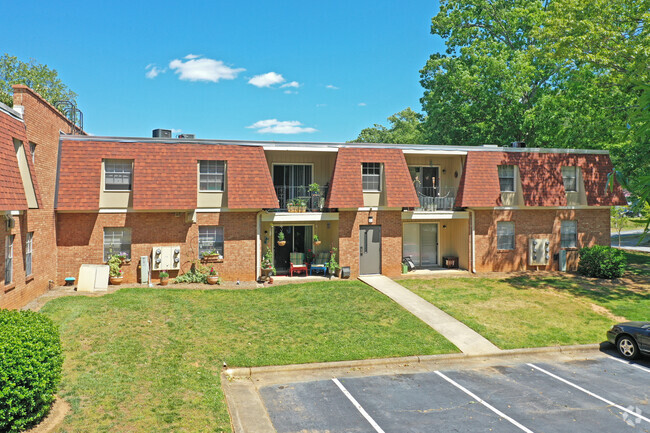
x: 461, y: 335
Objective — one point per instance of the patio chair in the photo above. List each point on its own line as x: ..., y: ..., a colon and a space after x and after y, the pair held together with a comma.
x: 297, y: 263
x: 320, y: 263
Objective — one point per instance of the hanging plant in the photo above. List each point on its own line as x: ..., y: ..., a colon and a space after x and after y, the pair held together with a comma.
x: 281, y: 241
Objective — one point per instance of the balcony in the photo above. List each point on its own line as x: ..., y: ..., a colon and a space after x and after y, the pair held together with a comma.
x: 434, y: 199
x: 300, y: 199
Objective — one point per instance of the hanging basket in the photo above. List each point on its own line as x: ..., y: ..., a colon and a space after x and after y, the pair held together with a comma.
x: 282, y: 243
x: 317, y: 243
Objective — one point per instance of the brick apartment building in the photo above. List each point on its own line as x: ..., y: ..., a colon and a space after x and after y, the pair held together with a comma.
x: 484, y: 208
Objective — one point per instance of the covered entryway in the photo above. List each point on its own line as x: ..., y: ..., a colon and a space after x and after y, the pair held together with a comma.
x: 298, y: 240
x: 369, y: 250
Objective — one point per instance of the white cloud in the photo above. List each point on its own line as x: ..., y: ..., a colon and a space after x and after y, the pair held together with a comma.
x: 153, y: 71
x: 332, y: 87
x: 266, y: 80
x: 362, y: 104
x: 291, y: 84
x: 290, y: 92
x: 176, y: 131
x: 192, y: 56
x: 196, y: 69
x: 275, y: 126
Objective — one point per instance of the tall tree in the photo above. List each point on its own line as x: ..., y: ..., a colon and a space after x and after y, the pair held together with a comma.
x: 39, y: 77
x: 405, y: 127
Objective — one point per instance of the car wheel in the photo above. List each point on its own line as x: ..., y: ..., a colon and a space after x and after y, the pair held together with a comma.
x: 627, y: 347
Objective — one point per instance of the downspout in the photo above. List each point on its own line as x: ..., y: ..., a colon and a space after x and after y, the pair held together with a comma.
x: 473, y: 244
x: 258, y: 245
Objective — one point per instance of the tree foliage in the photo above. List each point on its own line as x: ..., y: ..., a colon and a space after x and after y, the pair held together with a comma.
x: 405, y: 127
x: 40, y: 78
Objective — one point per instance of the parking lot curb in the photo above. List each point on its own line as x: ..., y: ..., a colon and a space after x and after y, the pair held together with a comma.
x: 250, y: 372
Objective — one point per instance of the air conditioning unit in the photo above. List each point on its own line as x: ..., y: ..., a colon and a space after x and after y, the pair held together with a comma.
x: 166, y: 258
x: 162, y: 133
x: 538, y: 252
x: 186, y: 136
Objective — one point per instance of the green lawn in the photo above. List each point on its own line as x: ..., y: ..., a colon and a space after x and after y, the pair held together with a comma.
x: 531, y: 311
x: 148, y: 360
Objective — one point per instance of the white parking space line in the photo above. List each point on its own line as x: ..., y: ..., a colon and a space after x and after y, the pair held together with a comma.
x: 358, y: 406
x: 483, y: 402
x: 636, y: 415
x: 640, y: 367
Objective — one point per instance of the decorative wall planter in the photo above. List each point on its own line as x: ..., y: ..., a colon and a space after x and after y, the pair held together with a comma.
x: 116, y: 281
x: 296, y: 208
x: 212, y: 259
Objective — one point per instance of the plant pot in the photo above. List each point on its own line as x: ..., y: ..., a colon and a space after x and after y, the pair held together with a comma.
x: 317, y: 243
x: 282, y: 243
x: 164, y: 281
x: 213, y: 279
x: 116, y: 281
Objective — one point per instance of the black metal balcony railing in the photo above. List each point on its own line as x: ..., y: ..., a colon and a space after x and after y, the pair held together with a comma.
x: 300, y: 195
x: 433, y: 199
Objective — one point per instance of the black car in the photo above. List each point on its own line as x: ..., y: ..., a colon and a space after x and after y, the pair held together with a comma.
x: 630, y: 338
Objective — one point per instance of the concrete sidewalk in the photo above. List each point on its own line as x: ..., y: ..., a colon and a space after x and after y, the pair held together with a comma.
x: 466, y: 339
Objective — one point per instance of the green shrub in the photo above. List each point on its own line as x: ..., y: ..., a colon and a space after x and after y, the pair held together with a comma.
x: 30, y: 368
x: 602, y: 262
x: 196, y: 274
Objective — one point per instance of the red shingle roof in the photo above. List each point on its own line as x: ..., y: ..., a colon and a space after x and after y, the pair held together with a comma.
x: 346, y: 190
x: 12, y: 190
x: 164, y: 174
x: 541, y: 178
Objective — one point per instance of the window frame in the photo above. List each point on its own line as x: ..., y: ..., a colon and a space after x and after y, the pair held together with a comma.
x: 218, y: 164
x: 29, y: 254
x: 122, y: 162
x: 513, y: 244
x: 124, y: 230
x: 500, y: 169
x: 219, y: 240
x: 365, y: 166
x: 570, y: 243
x: 9, y: 259
x: 575, y: 178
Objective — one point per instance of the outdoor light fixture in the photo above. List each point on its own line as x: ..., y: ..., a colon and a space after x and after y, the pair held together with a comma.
x: 369, y: 219
x: 444, y: 226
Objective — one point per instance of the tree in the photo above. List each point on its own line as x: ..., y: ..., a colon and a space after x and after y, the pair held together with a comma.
x: 618, y: 219
x: 405, y: 127
x: 40, y: 78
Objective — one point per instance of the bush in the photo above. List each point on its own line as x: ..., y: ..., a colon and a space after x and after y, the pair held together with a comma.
x: 30, y: 368
x: 602, y: 262
x: 196, y: 274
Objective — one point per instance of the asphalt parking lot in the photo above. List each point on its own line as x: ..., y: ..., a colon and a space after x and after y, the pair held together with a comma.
x: 590, y: 395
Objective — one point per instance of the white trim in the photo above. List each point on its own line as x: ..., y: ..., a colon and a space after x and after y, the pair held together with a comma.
x: 301, y: 148
x: 114, y: 210
x: 428, y: 152
x: 473, y: 242
x: 211, y: 210
x: 299, y: 216
x: 15, y: 212
x: 369, y: 209
x: 436, y: 215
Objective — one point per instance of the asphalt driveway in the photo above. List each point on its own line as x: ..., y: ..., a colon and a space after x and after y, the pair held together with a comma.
x: 604, y: 394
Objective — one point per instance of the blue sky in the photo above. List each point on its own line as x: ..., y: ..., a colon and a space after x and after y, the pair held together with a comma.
x: 270, y: 70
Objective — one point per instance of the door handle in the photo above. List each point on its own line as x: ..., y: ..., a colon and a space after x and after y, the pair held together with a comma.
x: 361, y: 249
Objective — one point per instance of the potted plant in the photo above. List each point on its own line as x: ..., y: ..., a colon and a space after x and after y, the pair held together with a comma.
x: 309, y: 257
x: 314, y: 190
x: 332, y: 264
x: 281, y: 241
x: 213, y: 277
x: 267, y: 265
x: 297, y: 205
x: 164, y: 278
x: 211, y: 256
x: 115, y: 274
x: 317, y: 241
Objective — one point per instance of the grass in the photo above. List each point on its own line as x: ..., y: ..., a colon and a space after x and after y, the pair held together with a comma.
x: 148, y: 360
x: 534, y: 311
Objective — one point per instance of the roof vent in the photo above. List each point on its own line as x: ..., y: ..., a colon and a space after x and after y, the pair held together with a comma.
x: 186, y: 136
x: 162, y: 133
x: 518, y: 144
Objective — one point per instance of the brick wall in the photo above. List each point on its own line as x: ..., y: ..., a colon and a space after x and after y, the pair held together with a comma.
x: 80, y: 239
x: 593, y: 228
x: 43, y: 123
x: 391, y: 239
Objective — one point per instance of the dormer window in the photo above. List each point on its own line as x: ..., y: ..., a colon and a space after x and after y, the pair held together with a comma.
x: 212, y: 175
x: 371, y: 176
x: 118, y: 174
x: 570, y: 178
x: 507, y: 178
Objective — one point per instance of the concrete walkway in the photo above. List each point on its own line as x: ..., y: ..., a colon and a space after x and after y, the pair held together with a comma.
x: 466, y: 339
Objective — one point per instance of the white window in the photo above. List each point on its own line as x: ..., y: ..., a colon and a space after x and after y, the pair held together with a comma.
x: 117, y: 240
x: 505, y: 235
x: 211, y: 175
x: 569, y: 234
x: 210, y: 240
x: 32, y: 150
x: 371, y: 176
x: 29, y: 243
x: 9, y: 259
x: 570, y: 178
x: 507, y: 178
x: 118, y: 174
